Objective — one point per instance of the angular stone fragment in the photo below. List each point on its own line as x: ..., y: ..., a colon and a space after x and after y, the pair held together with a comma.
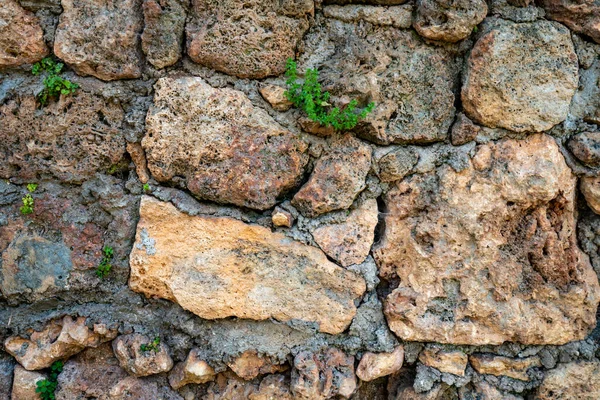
x: 376, y: 365
x: 21, y: 36
x: 452, y: 362
x: 249, y: 365
x: 235, y: 269
x: 275, y: 96
x: 139, y: 159
x: 581, y: 16
x: 521, y: 77
x: 448, y: 21
x: 246, y: 38
x: 515, y: 368
x: 100, y: 37
x: 338, y: 177
x: 310, y: 126
x: 590, y: 188
x: 350, y: 242
x: 135, y: 361
x: 25, y: 383
x: 463, y: 130
x: 396, y: 164
x: 164, y: 21
x: 219, y: 145
x: 586, y: 147
x: 71, y: 139
x: 282, y: 217
x: 323, y: 375
x: 412, y: 83
x: 192, y: 370
x: 573, y: 381
x: 57, y: 341
x: 396, y: 16
x: 485, y: 391
x: 490, y: 255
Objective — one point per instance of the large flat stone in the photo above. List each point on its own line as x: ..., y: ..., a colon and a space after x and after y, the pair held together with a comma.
x: 221, y: 267
x: 521, y: 77
x: 489, y: 254
x: 219, y: 145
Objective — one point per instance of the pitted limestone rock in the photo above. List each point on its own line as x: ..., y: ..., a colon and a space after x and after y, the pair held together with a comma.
x: 215, y: 142
x: 489, y: 255
x: 230, y: 268
x: 448, y: 21
x: 137, y: 362
x: 21, y: 36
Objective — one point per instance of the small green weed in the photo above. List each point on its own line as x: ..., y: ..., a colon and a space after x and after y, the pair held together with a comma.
x: 475, y: 29
x: 105, y: 265
x: 146, y: 187
x: 28, y: 202
x: 310, y: 98
x: 54, y: 85
x: 46, y: 387
x: 152, y: 346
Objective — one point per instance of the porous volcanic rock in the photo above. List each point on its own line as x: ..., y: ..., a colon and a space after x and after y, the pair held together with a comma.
x: 350, y: 242
x: 396, y: 16
x: 448, y: 21
x: 71, y: 139
x: 100, y: 37
x: 515, y: 368
x: 236, y: 269
x: 250, y: 364
x: 572, y: 381
x: 586, y: 147
x: 488, y: 255
x: 246, y: 38
x: 338, y: 177
x: 219, y: 145
x: 412, y: 83
x: 164, y: 22
x: 590, y: 188
x: 521, y: 76
x: 396, y: 164
x: 58, y: 340
x: 128, y: 350
x: 582, y: 16
x: 21, y: 36
x: 323, y: 375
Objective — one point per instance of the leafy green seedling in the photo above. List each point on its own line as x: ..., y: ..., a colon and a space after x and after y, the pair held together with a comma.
x: 146, y: 187
x: 54, y: 84
x: 28, y: 202
x: 47, y: 387
x: 310, y: 98
x: 152, y: 346
x: 105, y: 265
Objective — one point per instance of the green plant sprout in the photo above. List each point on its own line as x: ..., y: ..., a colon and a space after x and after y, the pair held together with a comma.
x: 152, y: 346
x: 54, y: 84
x: 47, y: 387
x: 105, y: 265
x: 310, y: 98
x: 28, y: 202
x: 146, y: 187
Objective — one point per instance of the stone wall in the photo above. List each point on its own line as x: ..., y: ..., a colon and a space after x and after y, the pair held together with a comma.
x: 447, y: 247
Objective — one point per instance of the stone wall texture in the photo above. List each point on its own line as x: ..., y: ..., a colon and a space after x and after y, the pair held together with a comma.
x: 446, y: 247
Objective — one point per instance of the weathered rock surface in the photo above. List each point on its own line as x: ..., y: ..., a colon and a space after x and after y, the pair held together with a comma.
x: 164, y: 21
x: 376, y: 365
x: 282, y: 217
x: 21, y: 36
x: 25, y: 383
x: 249, y: 38
x: 275, y: 96
x: 452, y: 362
x: 7, y: 366
x: 349, y: 242
x: 58, y: 340
x: 230, y: 387
x: 529, y: 95
x: 374, y: 2
x: 71, y: 139
x: 586, y: 147
x: 582, y: 16
x: 396, y: 164
x: 448, y: 21
x: 219, y: 145
x: 412, y: 83
x: 249, y: 365
x: 192, y: 370
x: 571, y: 381
x: 338, y: 177
x: 396, y: 16
x: 235, y: 269
x: 590, y: 188
x: 489, y: 255
x: 100, y: 37
x: 127, y: 349
x: 483, y: 390
x: 323, y: 375
x: 515, y: 368
x: 463, y: 130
